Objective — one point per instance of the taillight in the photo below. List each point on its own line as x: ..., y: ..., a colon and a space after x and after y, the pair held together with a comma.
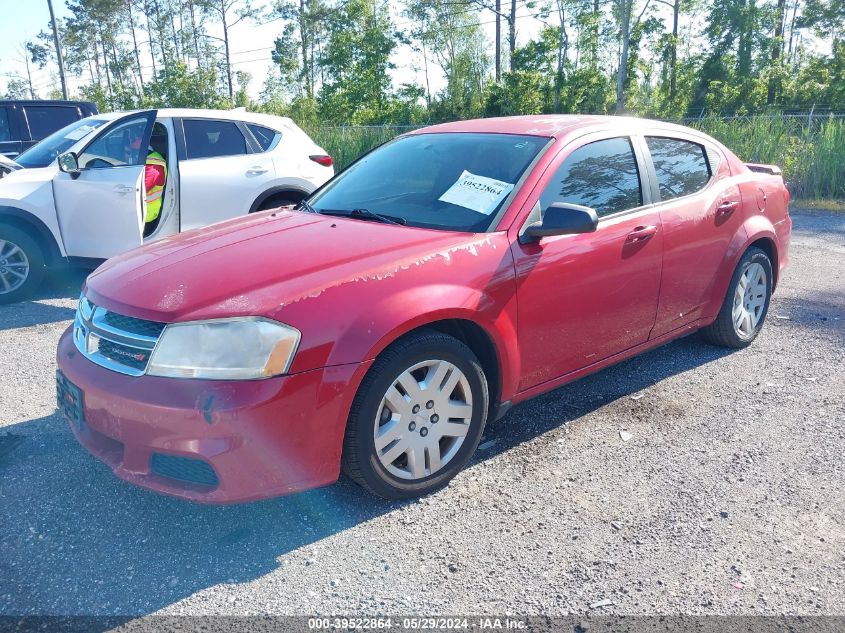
x: 322, y: 159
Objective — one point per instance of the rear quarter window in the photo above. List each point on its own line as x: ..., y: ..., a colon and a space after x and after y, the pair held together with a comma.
x: 267, y: 138
x: 682, y: 167
x: 44, y: 120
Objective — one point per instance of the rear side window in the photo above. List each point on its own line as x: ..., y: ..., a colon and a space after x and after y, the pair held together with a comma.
x: 681, y: 166
x: 267, y: 138
x: 5, y: 127
x: 209, y: 138
x: 601, y: 175
x: 44, y: 120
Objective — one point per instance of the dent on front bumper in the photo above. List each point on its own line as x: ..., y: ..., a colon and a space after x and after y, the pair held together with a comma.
x: 261, y: 438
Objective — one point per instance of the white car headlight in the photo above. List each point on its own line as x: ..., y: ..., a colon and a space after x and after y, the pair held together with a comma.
x: 225, y: 349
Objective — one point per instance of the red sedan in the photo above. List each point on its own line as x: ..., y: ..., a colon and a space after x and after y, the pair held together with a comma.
x: 442, y: 278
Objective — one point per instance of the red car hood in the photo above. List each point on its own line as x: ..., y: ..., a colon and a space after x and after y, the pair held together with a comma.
x: 256, y: 265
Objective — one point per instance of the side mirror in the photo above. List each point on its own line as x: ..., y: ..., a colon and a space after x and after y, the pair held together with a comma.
x: 69, y: 164
x: 562, y: 218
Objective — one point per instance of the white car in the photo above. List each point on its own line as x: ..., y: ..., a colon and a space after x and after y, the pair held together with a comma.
x: 80, y: 197
x: 7, y: 165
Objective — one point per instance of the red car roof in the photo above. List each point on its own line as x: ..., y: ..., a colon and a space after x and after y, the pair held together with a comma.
x: 547, y: 125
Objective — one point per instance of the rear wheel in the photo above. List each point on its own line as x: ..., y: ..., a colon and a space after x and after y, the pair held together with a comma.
x: 417, y: 417
x: 746, y: 304
x: 21, y: 264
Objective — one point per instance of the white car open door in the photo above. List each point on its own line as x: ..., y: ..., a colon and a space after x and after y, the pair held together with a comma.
x: 101, y: 207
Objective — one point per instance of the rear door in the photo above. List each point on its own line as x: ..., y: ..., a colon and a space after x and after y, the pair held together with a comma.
x: 583, y: 298
x: 10, y: 139
x: 101, y: 211
x: 221, y: 171
x: 700, y: 210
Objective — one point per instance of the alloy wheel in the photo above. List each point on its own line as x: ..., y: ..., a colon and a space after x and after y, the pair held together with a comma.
x: 14, y: 266
x: 749, y: 300
x: 423, y: 419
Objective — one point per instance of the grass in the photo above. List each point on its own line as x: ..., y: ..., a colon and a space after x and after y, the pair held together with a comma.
x: 345, y: 144
x: 823, y: 204
x: 810, y: 153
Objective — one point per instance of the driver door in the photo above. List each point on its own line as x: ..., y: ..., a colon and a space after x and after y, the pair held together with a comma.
x: 585, y: 297
x: 101, y: 209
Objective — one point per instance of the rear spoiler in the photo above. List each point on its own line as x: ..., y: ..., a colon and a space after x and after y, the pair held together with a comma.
x: 772, y: 170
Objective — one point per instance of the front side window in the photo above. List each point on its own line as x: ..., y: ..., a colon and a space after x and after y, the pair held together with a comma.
x: 207, y: 138
x: 43, y: 153
x: 449, y: 181
x: 681, y: 166
x: 602, y: 175
x: 119, y: 146
x: 44, y: 120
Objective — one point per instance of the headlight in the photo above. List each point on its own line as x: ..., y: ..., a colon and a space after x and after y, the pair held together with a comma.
x: 225, y: 349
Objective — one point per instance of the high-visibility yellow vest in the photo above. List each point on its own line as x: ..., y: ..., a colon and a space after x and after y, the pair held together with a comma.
x: 156, y: 191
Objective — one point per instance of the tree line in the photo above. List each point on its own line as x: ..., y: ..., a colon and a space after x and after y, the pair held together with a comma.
x: 333, y: 59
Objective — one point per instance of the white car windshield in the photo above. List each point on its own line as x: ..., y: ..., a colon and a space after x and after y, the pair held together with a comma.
x: 45, y: 152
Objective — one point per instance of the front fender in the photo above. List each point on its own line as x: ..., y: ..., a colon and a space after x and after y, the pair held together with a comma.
x: 26, y: 195
x: 389, y: 320
x: 352, y: 317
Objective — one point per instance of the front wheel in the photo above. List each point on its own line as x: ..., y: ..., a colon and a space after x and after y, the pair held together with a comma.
x: 746, y: 304
x: 21, y: 265
x: 417, y: 417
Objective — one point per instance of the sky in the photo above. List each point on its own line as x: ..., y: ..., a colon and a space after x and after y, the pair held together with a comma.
x: 251, y: 45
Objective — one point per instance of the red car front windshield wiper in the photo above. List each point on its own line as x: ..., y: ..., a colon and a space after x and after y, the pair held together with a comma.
x: 364, y: 214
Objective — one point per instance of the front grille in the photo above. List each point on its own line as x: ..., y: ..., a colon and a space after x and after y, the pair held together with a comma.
x: 115, y: 341
x: 133, y: 325
x: 189, y: 469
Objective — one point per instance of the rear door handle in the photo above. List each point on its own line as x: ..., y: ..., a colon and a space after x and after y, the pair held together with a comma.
x: 256, y: 169
x: 727, y: 207
x: 641, y: 234
x: 123, y: 189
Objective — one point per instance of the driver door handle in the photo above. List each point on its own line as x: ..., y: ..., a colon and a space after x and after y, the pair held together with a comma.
x: 124, y: 189
x: 641, y: 234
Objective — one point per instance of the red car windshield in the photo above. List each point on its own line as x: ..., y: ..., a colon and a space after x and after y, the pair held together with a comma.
x: 449, y: 181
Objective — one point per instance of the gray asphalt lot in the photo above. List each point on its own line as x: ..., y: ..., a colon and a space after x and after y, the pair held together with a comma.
x: 726, y: 499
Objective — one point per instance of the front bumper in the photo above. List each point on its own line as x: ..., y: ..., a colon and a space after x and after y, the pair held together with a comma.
x: 247, y: 440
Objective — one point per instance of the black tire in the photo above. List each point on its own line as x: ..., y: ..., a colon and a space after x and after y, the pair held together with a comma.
x: 34, y: 257
x: 360, y: 461
x: 274, y: 202
x: 723, y: 331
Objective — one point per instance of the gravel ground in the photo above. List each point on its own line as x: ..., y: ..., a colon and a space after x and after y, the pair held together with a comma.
x: 725, y: 499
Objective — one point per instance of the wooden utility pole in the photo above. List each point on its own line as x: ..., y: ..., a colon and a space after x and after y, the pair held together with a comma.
x: 58, y: 42
x: 498, y: 40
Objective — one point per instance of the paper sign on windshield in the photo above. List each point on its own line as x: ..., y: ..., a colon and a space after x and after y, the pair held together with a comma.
x: 478, y: 193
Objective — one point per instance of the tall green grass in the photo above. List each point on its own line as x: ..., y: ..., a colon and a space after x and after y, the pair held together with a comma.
x: 345, y: 144
x: 811, y: 152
